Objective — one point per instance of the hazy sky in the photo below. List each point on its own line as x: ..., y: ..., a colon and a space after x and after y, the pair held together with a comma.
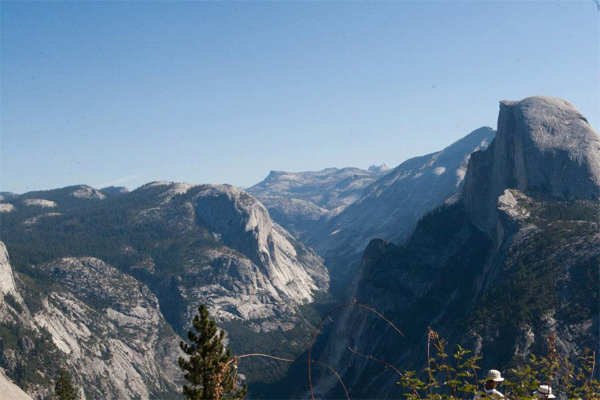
x: 218, y: 92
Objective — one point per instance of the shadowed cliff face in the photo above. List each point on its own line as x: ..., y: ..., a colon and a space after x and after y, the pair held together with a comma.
x: 544, y: 146
x: 516, y: 259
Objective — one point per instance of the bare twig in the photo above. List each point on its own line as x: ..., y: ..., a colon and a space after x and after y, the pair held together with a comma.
x: 386, y: 364
x: 261, y: 355
x: 593, y: 364
x: 318, y: 327
x: 235, y: 360
x: 336, y: 374
x: 369, y: 357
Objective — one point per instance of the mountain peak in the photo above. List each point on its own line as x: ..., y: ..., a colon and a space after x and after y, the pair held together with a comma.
x: 544, y: 146
x: 378, y: 168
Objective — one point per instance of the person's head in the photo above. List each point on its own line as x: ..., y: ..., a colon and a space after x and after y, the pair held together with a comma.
x: 489, y: 385
x: 493, y: 379
x: 544, y: 392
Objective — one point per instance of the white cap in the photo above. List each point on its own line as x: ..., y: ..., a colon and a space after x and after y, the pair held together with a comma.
x: 494, y: 375
x: 544, y: 392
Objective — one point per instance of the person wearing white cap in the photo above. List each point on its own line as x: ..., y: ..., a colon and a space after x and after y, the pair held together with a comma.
x: 544, y: 392
x: 492, y: 380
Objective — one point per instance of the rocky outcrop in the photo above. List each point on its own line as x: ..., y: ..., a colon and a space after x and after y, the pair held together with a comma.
x: 42, y: 203
x: 102, y: 325
x: 9, y: 390
x: 87, y: 192
x: 281, y: 274
x: 7, y: 279
x: 110, y: 329
x: 6, y: 208
x: 543, y: 147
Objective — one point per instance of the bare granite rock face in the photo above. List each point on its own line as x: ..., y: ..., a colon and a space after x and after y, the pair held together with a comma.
x: 10, y: 391
x: 278, y: 274
x: 250, y: 269
x: 544, y: 146
x: 7, y: 280
x: 104, y: 326
x: 111, y: 331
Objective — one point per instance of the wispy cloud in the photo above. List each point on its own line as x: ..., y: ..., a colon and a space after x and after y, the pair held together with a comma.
x: 116, y: 182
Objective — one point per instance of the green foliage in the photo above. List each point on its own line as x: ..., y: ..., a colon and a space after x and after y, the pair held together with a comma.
x: 209, y: 369
x: 528, y: 292
x: 456, y: 377
x: 446, y: 377
x: 64, y: 389
x: 28, y: 357
x: 112, y: 231
x: 11, y: 301
x: 579, y: 210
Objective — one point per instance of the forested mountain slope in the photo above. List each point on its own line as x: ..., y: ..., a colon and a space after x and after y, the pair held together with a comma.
x: 98, y: 273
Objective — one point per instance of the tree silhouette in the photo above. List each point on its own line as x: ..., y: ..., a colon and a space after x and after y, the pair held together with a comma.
x: 63, y: 389
x: 209, y: 369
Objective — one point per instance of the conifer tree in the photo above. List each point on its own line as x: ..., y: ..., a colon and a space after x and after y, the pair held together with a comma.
x: 63, y: 389
x: 208, y: 367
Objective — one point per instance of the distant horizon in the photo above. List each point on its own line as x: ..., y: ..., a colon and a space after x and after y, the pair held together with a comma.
x: 123, y: 93
x: 119, y: 184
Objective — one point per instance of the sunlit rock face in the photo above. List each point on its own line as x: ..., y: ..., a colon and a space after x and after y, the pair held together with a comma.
x: 105, y: 327
x: 391, y: 206
x: 275, y: 273
x: 544, y: 147
x: 110, y: 329
x: 11, y: 391
x: 7, y: 280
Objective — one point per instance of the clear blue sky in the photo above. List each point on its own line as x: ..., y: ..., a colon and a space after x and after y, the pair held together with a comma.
x: 220, y: 92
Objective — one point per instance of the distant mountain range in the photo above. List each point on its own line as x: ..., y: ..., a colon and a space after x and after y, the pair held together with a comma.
x: 493, y: 241
x: 297, y: 200
x: 379, y: 203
